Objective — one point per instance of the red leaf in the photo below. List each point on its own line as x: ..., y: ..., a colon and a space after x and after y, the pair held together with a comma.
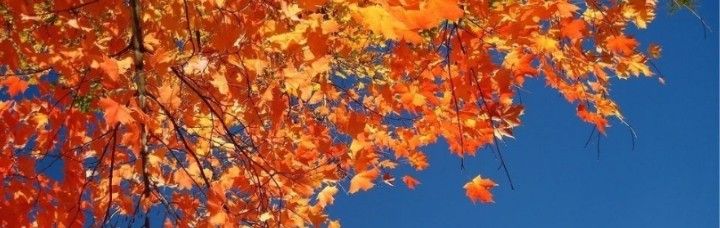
x: 15, y: 85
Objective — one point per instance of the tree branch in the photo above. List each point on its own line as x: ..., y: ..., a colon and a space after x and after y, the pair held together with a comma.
x: 140, y: 83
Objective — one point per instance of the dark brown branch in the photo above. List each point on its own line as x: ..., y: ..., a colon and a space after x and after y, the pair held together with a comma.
x: 492, y: 124
x: 140, y: 83
x: 454, y: 95
x: 110, y: 176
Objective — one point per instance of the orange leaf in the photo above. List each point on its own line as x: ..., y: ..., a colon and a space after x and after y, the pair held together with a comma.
x: 110, y: 67
x: 410, y: 181
x: 654, y: 51
x: 444, y: 9
x: 479, y: 189
x: 168, y: 96
x: 114, y: 112
x: 566, y: 9
x: 574, y: 29
x: 15, y: 85
x: 621, y: 44
x: 218, y: 218
x: 363, y: 180
x: 113, y: 68
x: 183, y: 180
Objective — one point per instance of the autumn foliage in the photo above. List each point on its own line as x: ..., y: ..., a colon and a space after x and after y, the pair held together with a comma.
x: 260, y: 112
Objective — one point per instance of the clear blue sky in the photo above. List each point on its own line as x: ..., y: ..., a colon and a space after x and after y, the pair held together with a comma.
x: 669, y: 180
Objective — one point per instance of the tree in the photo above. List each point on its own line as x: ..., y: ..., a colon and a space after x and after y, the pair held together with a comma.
x: 259, y: 112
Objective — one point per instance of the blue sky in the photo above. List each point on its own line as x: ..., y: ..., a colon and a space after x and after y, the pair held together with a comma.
x: 670, y: 179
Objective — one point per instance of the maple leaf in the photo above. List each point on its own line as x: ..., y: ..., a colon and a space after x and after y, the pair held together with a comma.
x: 326, y: 196
x: 15, y: 85
x: 265, y: 216
x: 478, y: 189
x: 363, y: 180
x: 380, y: 21
x: 183, y: 180
x: 115, y: 112
x: 565, y: 9
x: 356, y: 146
x: 317, y: 42
x: 334, y: 224
x: 197, y: 65
x: 413, y: 97
x: 168, y: 95
x: 418, y: 160
x: 41, y: 119
x: 593, y: 118
x: 114, y: 68
x: 573, y: 29
x: 443, y: 10
x: 546, y: 44
x: 654, y: 51
x: 634, y: 65
x: 218, y: 218
x: 410, y: 181
x: 621, y: 44
x: 220, y: 82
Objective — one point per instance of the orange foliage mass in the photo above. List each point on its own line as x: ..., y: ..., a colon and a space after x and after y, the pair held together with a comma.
x: 259, y: 112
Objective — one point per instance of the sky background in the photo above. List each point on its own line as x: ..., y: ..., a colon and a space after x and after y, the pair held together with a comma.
x: 670, y: 179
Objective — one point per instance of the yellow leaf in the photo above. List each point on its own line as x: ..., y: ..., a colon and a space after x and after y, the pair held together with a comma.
x: 220, y: 82
x: 546, y: 44
x: 255, y: 65
x: 265, y: 216
x: 356, y: 146
x: 218, y: 219
x: 334, y: 224
x: 470, y: 123
x: 196, y: 65
x: 327, y: 196
x: 40, y: 119
x: 125, y: 171
x: 633, y: 66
